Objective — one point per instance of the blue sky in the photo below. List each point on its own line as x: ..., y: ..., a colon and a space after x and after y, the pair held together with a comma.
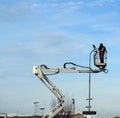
x: 35, y: 32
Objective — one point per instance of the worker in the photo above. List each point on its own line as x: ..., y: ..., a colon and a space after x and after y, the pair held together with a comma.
x: 102, y: 51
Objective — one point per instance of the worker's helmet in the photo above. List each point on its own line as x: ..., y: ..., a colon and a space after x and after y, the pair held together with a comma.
x: 101, y: 43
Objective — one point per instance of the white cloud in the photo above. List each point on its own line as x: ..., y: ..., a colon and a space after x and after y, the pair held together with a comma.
x: 101, y: 3
x: 63, y: 6
x: 59, y: 41
x: 57, y: 7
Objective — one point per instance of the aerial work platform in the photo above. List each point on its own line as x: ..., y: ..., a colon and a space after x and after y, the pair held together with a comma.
x: 97, y: 60
x: 42, y: 72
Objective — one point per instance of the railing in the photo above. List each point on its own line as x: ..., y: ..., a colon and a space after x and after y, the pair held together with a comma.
x: 97, y: 59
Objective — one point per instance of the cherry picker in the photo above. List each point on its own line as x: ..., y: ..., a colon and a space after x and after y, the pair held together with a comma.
x: 42, y: 72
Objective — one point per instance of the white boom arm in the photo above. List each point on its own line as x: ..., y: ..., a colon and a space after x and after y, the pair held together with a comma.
x: 63, y: 70
x: 40, y: 73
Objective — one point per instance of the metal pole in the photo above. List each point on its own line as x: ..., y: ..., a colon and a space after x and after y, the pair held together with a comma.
x: 89, y: 103
x: 35, y: 103
x: 89, y: 93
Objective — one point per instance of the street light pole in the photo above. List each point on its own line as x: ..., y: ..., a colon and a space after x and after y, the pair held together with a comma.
x: 35, y: 103
x: 89, y: 112
x: 89, y: 99
x: 89, y: 83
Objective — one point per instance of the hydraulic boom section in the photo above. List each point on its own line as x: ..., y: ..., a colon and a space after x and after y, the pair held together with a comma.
x: 39, y: 73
